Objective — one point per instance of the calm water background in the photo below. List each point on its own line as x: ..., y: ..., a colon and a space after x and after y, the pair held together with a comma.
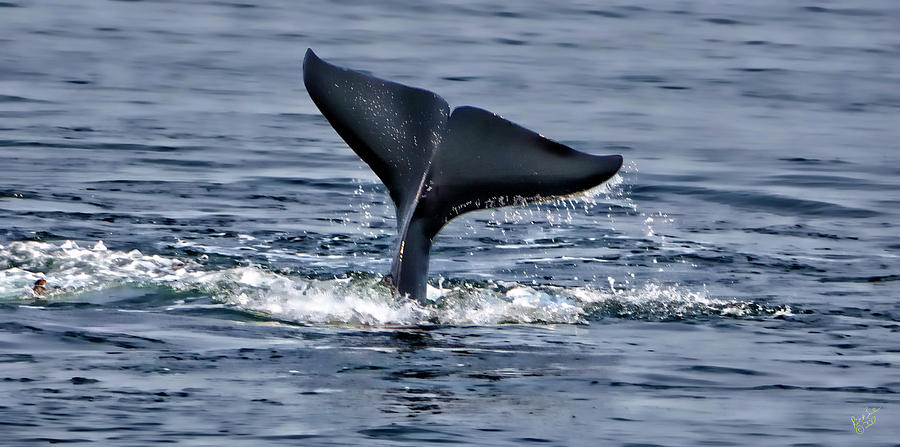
x: 737, y: 284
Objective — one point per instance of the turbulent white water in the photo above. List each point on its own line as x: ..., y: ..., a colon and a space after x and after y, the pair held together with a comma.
x: 70, y: 270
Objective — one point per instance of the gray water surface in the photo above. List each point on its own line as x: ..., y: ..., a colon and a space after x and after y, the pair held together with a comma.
x: 218, y: 248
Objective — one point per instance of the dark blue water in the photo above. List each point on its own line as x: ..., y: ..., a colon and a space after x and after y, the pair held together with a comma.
x: 217, y: 248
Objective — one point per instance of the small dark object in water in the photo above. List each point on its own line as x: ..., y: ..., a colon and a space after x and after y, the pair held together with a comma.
x: 39, y: 288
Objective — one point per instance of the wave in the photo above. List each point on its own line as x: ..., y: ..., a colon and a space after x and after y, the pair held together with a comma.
x: 758, y: 201
x: 76, y: 273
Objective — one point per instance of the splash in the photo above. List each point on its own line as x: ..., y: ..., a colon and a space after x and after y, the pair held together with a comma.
x: 74, y: 268
x: 356, y: 299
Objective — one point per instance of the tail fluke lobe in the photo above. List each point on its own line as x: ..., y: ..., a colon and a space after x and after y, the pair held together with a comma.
x: 487, y: 161
x: 438, y: 165
x: 395, y: 129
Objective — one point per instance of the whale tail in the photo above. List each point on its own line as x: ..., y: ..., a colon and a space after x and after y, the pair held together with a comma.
x: 437, y: 164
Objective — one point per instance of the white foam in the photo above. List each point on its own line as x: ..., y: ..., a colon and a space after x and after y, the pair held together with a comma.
x: 73, y: 268
x: 356, y: 299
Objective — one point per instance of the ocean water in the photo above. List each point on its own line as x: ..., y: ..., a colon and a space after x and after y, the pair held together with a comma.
x: 212, y: 249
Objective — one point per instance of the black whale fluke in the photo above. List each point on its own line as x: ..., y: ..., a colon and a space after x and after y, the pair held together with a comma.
x: 437, y: 164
